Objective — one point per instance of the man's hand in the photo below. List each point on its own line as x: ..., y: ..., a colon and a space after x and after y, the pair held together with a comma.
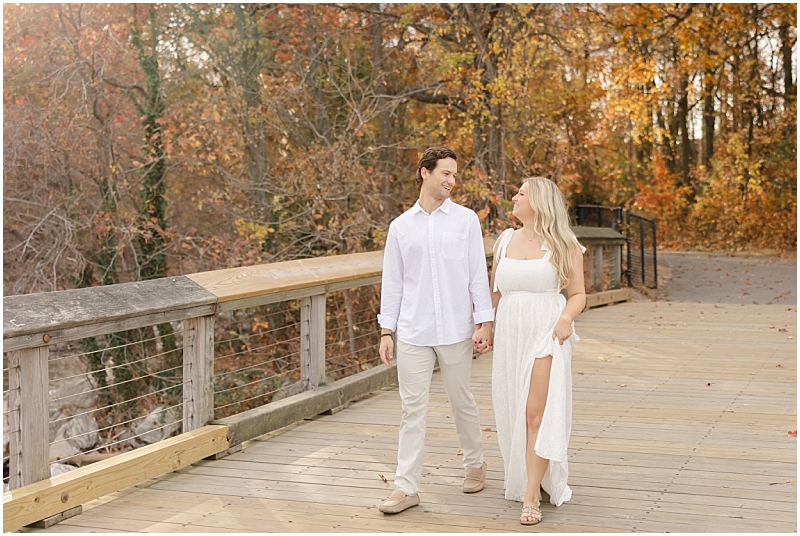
x: 387, y: 350
x: 482, y: 337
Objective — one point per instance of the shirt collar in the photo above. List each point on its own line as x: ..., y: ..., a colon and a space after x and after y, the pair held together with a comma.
x: 444, y: 207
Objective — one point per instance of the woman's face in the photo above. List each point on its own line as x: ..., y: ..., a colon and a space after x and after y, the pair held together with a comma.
x: 522, y: 205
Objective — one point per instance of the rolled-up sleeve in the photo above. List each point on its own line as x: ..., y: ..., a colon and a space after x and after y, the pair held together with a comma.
x: 478, y: 275
x: 391, y: 282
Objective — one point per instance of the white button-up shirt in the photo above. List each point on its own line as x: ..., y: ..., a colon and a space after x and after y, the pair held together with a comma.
x: 434, y: 271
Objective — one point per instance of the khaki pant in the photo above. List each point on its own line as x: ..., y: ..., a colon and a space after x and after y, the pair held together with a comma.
x: 414, y: 370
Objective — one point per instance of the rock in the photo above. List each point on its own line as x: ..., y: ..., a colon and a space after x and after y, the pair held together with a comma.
x: 81, y: 432
x: 73, y: 436
x: 159, y: 424
x: 55, y: 421
x: 60, y: 447
x: 60, y: 468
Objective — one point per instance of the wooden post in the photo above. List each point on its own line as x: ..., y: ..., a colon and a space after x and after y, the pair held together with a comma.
x: 312, y: 341
x: 198, y: 372
x: 615, y: 266
x: 597, y: 268
x: 28, y: 400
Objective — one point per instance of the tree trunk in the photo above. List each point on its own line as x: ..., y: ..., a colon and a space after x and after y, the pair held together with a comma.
x: 708, y: 119
x: 384, y: 155
x: 488, y: 137
x: 683, y: 125
x: 666, y: 140
x: 789, y: 87
x: 152, y: 241
x: 253, y: 120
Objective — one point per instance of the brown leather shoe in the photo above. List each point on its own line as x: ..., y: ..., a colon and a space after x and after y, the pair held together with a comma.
x: 398, y: 501
x: 475, y: 479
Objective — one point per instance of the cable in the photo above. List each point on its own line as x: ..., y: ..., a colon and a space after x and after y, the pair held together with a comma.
x: 283, y: 373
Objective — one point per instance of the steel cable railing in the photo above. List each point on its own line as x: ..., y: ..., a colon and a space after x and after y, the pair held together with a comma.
x: 120, y: 388
x: 260, y: 361
x: 127, y: 440
x: 103, y: 387
x: 352, y: 345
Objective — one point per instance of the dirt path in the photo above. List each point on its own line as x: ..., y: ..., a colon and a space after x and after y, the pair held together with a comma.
x: 726, y: 278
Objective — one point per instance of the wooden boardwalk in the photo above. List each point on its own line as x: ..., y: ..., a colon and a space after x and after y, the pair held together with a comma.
x: 681, y: 413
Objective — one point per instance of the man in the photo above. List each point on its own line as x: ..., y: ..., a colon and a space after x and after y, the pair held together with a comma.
x: 434, y: 272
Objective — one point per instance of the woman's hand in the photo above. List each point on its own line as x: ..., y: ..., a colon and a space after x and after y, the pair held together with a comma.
x: 482, y: 337
x: 563, y: 329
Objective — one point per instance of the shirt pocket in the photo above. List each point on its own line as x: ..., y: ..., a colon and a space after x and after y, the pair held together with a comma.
x: 453, y: 245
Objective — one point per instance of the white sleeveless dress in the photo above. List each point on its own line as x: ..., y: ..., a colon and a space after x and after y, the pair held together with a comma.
x: 529, y: 308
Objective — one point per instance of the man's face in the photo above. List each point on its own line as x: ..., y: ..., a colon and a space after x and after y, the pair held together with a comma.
x: 439, y: 183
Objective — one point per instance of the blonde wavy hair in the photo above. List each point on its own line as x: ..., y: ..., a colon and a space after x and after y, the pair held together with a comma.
x: 551, y: 221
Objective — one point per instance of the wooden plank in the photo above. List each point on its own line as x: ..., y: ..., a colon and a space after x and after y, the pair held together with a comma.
x: 102, y: 327
x: 614, y: 266
x: 596, y: 268
x: 198, y: 372
x: 312, y: 341
x: 249, y: 281
x: 597, y: 235
x: 54, y: 313
x: 607, y: 297
x: 62, y: 492
x: 29, y: 372
x: 48, y: 522
x: 258, y: 421
x: 305, y: 512
x: 14, y: 403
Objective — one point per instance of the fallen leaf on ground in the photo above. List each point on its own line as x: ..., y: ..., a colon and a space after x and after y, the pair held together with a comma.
x: 459, y: 453
x: 779, y: 365
x: 382, y: 477
x: 487, y: 429
x: 601, y: 358
x: 792, y: 433
x: 781, y: 329
x: 623, y: 385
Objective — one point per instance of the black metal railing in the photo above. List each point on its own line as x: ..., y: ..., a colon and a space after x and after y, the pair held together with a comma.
x: 599, y: 216
x: 641, y: 262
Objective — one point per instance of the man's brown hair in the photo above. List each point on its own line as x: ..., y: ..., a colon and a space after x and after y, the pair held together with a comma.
x: 430, y: 158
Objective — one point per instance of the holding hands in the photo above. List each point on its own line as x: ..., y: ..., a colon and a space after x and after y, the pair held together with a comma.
x: 482, y: 337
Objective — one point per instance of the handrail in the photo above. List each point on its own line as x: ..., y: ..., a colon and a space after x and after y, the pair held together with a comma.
x: 33, y: 323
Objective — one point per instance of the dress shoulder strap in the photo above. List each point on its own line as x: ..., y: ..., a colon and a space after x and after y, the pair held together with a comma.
x: 502, y: 244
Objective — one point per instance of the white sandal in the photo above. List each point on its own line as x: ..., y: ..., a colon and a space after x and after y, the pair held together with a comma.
x: 530, y: 515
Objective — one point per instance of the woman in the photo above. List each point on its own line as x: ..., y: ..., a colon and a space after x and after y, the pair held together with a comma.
x: 533, y: 339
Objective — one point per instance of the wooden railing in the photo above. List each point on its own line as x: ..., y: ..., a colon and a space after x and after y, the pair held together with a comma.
x: 32, y: 324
